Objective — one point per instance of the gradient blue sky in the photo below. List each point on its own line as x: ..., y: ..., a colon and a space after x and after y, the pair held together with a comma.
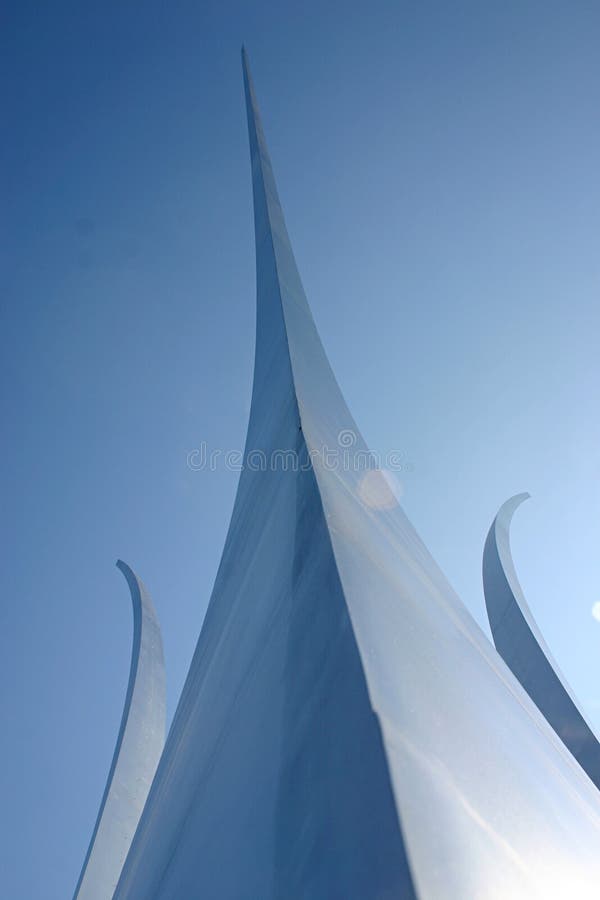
x: 438, y: 165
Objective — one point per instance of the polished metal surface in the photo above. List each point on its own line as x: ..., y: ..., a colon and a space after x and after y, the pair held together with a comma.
x: 522, y: 647
x: 346, y: 731
x: 139, y: 744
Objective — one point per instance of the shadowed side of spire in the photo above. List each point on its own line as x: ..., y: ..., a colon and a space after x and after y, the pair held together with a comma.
x: 139, y: 745
x: 522, y: 647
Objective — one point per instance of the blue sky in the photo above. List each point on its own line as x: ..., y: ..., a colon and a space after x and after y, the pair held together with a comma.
x: 438, y: 165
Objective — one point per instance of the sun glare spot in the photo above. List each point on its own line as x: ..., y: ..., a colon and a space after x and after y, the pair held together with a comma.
x: 379, y: 489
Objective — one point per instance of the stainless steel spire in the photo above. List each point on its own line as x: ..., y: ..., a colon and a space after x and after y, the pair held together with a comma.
x: 139, y: 745
x: 522, y: 647
x: 346, y: 730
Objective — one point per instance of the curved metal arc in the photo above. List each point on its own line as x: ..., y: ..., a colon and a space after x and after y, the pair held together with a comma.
x: 523, y: 648
x: 139, y: 744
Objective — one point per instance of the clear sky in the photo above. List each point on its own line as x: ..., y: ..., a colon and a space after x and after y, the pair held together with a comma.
x: 438, y: 166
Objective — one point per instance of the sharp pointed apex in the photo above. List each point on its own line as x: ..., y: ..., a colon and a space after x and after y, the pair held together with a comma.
x: 245, y: 61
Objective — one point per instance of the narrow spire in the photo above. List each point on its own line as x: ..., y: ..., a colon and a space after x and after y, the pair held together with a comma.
x: 522, y: 647
x: 137, y: 751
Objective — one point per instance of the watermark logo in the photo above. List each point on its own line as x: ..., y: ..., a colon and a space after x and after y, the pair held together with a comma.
x: 346, y: 455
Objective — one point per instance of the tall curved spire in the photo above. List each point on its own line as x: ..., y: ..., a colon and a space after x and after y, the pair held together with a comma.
x: 346, y: 729
x: 137, y: 752
x: 522, y: 647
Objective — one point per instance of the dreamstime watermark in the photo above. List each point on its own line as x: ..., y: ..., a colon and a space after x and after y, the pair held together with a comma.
x: 347, y: 456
